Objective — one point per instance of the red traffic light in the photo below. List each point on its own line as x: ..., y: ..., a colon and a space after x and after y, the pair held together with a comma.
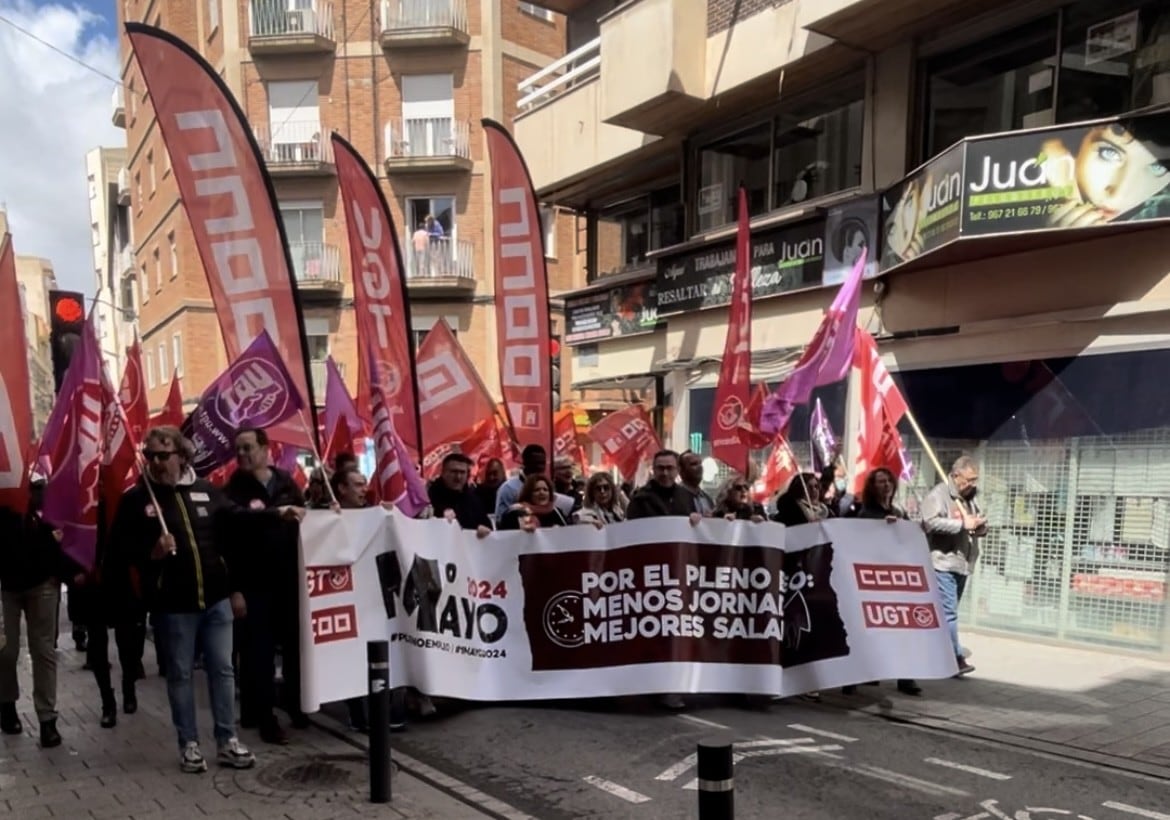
x: 554, y: 347
x: 69, y: 310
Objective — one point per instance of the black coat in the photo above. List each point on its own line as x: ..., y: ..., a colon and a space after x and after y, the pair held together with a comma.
x: 30, y: 554
x: 466, y: 504
x: 267, y: 548
x: 655, y: 501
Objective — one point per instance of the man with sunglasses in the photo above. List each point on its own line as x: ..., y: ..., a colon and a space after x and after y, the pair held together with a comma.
x: 178, y: 531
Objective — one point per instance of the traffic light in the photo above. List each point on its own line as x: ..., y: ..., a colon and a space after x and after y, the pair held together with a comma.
x: 66, y: 320
x: 554, y: 369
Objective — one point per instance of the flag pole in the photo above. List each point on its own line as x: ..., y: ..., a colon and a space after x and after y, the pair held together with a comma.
x: 942, y: 474
x: 317, y: 455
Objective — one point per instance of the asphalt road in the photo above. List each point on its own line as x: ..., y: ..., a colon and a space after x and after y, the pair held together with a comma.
x: 796, y: 760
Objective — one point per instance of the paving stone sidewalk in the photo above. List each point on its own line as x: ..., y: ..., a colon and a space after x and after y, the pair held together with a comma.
x: 132, y: 771
x: 1099, y: 706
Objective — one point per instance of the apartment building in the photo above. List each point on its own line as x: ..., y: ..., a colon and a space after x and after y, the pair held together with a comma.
x: 115, y: 290
x: 1007, y: 165
x: 406, y: 82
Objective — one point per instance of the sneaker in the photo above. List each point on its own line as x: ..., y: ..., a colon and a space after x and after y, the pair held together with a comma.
x: 964, y: 667
x: 191, y: 761
x: 236, y: 755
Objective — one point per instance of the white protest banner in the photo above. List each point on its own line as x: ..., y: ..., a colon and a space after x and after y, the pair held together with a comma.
x: 641, y: 607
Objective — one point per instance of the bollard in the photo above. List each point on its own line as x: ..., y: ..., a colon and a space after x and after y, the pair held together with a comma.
x: 716, y: 781
x: 378, y: 662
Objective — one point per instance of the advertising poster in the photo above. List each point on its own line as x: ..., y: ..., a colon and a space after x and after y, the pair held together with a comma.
x: 626, y: 310
x: 850, y: 229
x: 1082, y: 176
x: 922, y: 212
x: 787, y: 258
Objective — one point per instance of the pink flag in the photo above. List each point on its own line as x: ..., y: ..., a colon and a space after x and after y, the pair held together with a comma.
x: 396, y: 477
x: 73, y: 441
x: 827, y: 358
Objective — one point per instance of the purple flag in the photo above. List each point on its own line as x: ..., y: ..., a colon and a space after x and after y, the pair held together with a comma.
x: 72, y: 447
x: 255, y: 391
x: 338, y: 404
x: 392, y: 458
x: 822, y: 439
x: 827, y: 358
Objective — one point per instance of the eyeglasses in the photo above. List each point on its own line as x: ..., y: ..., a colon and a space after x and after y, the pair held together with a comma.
x: 157, y: 455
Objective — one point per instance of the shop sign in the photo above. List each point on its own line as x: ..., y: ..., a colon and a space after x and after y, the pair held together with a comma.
x: 625, y: 310
x: 922, y: 212
x: 783, y: 259
x: 849, y: 229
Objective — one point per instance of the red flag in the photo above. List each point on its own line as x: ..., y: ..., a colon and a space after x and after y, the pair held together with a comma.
x: 490, y: 439
x: 15, y: 402
x: 119, y: 442
x: 733, y: 392
x: 749, y: 429
x: 231, y: 206
x: 567, y: 442
x: 451, y: 397
x: 879, y: 444
x: 379, y: 293
x: 627, y: 439
x: 132, y: 394
x: 172, y: 414
x: 522, y: 319
x: 395, y: 477
x: 341, y: 416
x: 778, y: 470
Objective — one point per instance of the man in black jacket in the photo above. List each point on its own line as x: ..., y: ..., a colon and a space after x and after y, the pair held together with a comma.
x: 267, y: 566
x: 663, y: 495
x: 32, y: 568
x: 453, y: 500
x: 178, y: 530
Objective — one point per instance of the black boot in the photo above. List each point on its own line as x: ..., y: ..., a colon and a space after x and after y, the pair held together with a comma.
x: 10, y: 721
x: 129, y: 698
x: 109, y: 709
x: 50, y: 737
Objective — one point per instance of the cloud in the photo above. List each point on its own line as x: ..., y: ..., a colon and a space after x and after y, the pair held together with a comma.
x: 54, y: 112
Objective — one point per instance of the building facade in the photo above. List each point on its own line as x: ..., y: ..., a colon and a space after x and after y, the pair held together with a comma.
x: 407, y: 83
x: 35, y: 278
x: 1007, y: 166
x: 109, y: 211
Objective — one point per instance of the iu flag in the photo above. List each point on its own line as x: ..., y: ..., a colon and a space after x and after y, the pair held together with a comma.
x: 231, y: 205
x: 451, y: 397
x: 16, y: 423
x: 825, y: 360
x: 73, y: 440
x: 524, y: 335
x: 733, y: 393
x: 379, y: 294
x: 256, y: 390
x: 342, y: 421
x: 627, y: 439
x: 879, y: 444
x: 396, y: 478
x: 172, y: 413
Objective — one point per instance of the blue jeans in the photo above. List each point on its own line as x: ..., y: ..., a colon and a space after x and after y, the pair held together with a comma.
x: 950, y: 587
x: 210, y: 630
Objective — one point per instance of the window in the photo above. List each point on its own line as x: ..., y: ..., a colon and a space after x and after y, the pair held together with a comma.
x: 150, y: 166
x: 1003, y: 83
x: 417, y: 336
x: 163, y: 369
x: 138, y: 189
x: 158, y: 273
x: 133, y: 95
x: 548, y: 222
x: 433, y: 248
x: 127, y: 295
x: 166, y: 161
x: 304, y: 223
x: 627, y: 232
x: 143, y: 286
x: 537, y: 11
x: 428, y: 115
x: 294, y: 121
x: 174, y: 254
x: 817, y: 149
x: 177, y: 353
x: 742, y: 157
x: 148, y: 366
x: 212, y: 15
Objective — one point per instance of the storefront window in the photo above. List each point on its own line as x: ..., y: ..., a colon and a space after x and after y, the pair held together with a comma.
x: 1115, y: 58
x: 818, y: 150
x: 723, y: 165
x: 1003, y: 83
x: 627, y: 232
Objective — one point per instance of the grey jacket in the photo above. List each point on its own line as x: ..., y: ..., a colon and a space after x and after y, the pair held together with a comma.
x: 942, y: 519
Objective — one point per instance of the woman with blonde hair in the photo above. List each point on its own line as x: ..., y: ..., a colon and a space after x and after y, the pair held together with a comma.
x: 733, y: 501
x: 604, y: 502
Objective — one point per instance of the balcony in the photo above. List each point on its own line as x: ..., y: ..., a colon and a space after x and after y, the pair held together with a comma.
x: 277, y: 29
x: 124, y: 187
x: 427, y: 146
x: 297, y: 149
x: 317, y: 267
x: 445, y: 267
x: 569, y: 72
x: 424, y: 23
x: 319, y: 376
x: 119, y: 104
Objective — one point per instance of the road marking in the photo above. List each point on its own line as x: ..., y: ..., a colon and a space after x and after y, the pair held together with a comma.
x: 710, y: 724
x: 629, y: 795
x: 906, y: 781
x: 800, y: 727
x: 1122, y: 807
x: 963, y: 767
x: 784, y: 750
x: 676, y: 770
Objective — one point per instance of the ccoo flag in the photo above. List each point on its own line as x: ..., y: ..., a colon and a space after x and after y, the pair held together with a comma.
x: 231, y: 205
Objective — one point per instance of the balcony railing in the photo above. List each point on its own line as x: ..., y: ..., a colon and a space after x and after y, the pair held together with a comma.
x: 442, y: 258
x: 405, y: 15
x: 430, y: 137
x: 316, y: 264
x: 295, y: 143
x: 123, y: 187
x: 566, y: 73
x: 274, y: 18
x: 119, y: 106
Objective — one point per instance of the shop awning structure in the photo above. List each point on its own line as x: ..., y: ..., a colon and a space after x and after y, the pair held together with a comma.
x: 874, y: 24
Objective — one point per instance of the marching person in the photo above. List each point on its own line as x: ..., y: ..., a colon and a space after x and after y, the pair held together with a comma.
x: 564, y: 481
x: 453, y: 500
x: 801, y: 502
x: 267, y: 567
x: 953, y: 524
x: 176, y: 528
x: 690, y: 472
x: 603, y: 503
x: 733, y: 501
x: 32, y: 567
x: 535, y: 507
x: 534, y: 461
x: 492, y: 477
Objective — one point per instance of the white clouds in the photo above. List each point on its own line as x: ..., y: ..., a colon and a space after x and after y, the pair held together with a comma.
x: 53, y: 112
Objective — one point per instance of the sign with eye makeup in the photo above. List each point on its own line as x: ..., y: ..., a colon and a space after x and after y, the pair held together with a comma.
x: 922, y: 212
x: 1081, y: 176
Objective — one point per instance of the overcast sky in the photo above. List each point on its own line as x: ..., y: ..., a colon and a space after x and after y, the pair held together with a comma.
x: 54, y: 112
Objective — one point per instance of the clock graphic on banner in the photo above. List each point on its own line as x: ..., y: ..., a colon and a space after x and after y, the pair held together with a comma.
x: 564, y: 619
